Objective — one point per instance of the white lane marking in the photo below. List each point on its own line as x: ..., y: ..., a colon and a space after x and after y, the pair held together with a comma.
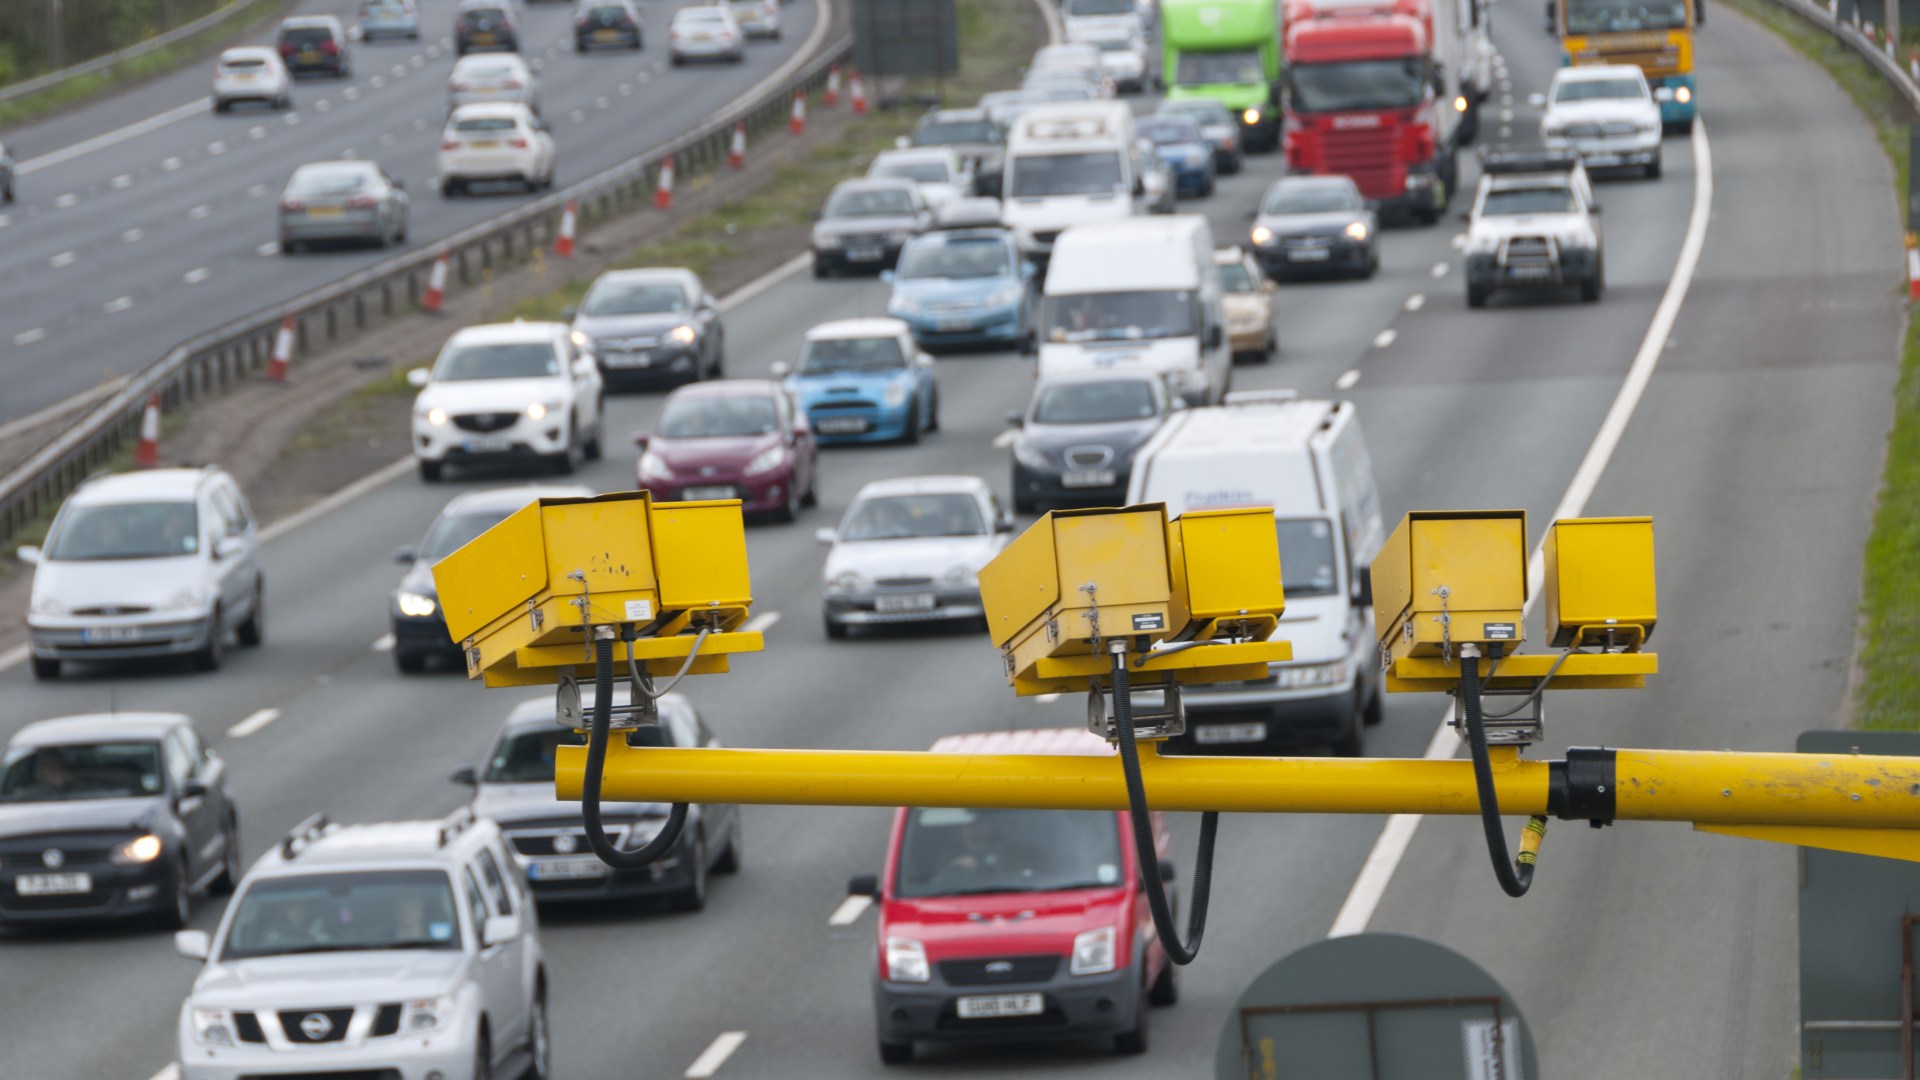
x: 271, y: 247
x: 65, y: 258
x: 64, y: 201
x: 761, y: 623
x: 446, y: 43
x: 1384, y: 338
x: 537, y: 65
x: 715, y: 1055
x: 433, y: 51
x: 253, y: 723
x: 28, y: 337
x: 626, y: 89
x: 383, y: 643
x: 849, y: 910
x: 171, y: 1072
x: 1368, y: 889
x: 256, y: 191
x: 645, y: 78
x: 13, y: 657
x: 133, y: 235
x: 216, y: 148
x: 1506, y: 99
x: 200, y: 212
x: 376, y: 82
x: 323, y: 105
x: 399, y: 71
x: 1506, y: 116
x: 1416, y: 302
x: 291, y: 119
x: 577, y: 116
x: 765, y: 281
x: 349, y: 153
x: 117, y: 305
x: 5, y: 220
x: 1506, y: 132
x: 387, y: 139
x: 1005, y: 439
x: 257, y: 132
x: 417, y: 60
x: 351, y: 93
x: 122, y: 182
x: 1439, y: 270
x: 119, y: 135
x: 171, y: 164
x: 196, y: 275
x: 601, y: 103
x: 1347, y: 379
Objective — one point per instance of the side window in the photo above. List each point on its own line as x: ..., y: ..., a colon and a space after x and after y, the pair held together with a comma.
x: 179, y: 763
x: 242, y: 512
x: 195, y: 748
x: 476, y: 904
x: 229, y: 508
x: 496, y: 884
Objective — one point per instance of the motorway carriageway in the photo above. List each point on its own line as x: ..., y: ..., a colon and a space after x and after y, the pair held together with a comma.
x: 1643, y: 950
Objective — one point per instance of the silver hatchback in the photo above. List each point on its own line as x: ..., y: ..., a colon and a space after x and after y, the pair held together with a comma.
x: 342, y: 201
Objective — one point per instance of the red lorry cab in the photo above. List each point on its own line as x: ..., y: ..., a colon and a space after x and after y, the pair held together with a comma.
x: 1015, y: 924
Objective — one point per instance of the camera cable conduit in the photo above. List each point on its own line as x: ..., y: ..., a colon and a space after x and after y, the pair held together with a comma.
x: 597, y: 839
x: 1515, y: 875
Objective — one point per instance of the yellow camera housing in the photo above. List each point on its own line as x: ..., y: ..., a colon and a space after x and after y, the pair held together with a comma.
x: 1448, y: 578
x: 1600, y: 582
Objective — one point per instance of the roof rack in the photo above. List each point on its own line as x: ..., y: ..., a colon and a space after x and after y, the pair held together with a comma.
x: 455, y: 823
x: 304, y: 836
x: 1497, y: 162
x: 1259, y: 397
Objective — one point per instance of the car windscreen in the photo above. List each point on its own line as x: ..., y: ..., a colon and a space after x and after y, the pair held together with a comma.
x: 487, y: 68
x: 925, y: 172
x: 1599, y: 89
x: 1624, y: 16
x: 329, y: 180
x: 1121, y: 316
x: 144, y: 530
x: 1235, y: 279
x: 851, y: 354
x: 717, y: 417
x: 451, y: 532
x: 344, y: 912
x: 1306, y: 556
x: 1100, y: 7
x: 483, y: 18
x: 531, y: 360
x: 955, y: 259
x: 526, y: 756
x: 1204, y: 112
x: 1236, y: 66
x: 485, y: 124
x: 1041, y: 175
x: 634, y: 298
x: 905, y: 517
x: 948, y: 132
x: 1169, y: 132
x: 115, y: 770
x: 1311, y: 199
x: 705, y: 18
x: 1095, y: 403
x: 1540, y: 200
x: 889, y: 202
x: 1357, y: 84
x: 953, y: 852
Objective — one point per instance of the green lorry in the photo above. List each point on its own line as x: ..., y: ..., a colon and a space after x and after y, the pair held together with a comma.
x: 1228, y: 50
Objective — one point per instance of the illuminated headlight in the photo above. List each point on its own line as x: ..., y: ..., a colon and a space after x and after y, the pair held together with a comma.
x: 426, y: 1014
x: 580, y: 340
x: 1093, y: 952
x: 1261, y: 236
x: 897, y: 394
x: 846, y: 581
x: 1305, y: 676
x: 1357, y: 230
x: 1460, y: 104
x: 767, y: 460
x: 415, y: 606
x: 437, y: 417
x: 1029, y: 455
x: 1683, y: 95
x: 907, y: 961
x: 539, y: 409
x: 1006, y: 294
x: 1250, y: 117
x: 136, y: 852
x: 212, y: 1027
x: 683, y: 335
x: 654, y: 467
x: 961, y: 575
x: 1417, y: 180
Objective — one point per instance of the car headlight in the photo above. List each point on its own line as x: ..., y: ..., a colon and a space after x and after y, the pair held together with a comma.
x: 437, y: 417
x: 1357, y: 230
x: 212, y: 1027
x: 47, y: 605
x: 1093, y: 952
x: 846, y: 581
x: 654, y: 467
x: 1482, y: 245
x: 184, y: 600
x: 961, y: 575
x: 426, y: 1014
x: 905, y: 305
x: 683, y: 335
x: 823, y: 240
x: 907, y: 961
x: 1226, y: 142
x: 1030, y: 455
x: 580, y: 340
x: 1305, y: 676
x: 1250, y: 117
x: 538, y: 410
x: 1683, y: 95
x: 1261, y: 236
x: 138, y: 851
x: 415, y: 605
x: 897, y: 393
x: 766, y: 460
x: 1007, y: 294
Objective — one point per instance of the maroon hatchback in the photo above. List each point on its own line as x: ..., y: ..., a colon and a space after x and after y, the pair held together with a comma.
x: 740, y: 439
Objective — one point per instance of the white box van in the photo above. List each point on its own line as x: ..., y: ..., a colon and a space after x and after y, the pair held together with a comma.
x: 1307, y: 460
x: 1068, y: 163
x: 1138, y: 293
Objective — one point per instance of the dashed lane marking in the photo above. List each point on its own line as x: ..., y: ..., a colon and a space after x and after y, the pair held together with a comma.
x: 122, y: 182
x: 216, y: 148
x: 196, y: 275
x: 1416, y: 301
x: 383, y: 643
x: 28, y: 337
x: 64, y: 201
x: 715, y: 1055
x: 65, y: 258
x: 271, y: 247
x: 1439, y: 270
x: 171, y: 164
x: 117, y: 305
x: 849, y: 910
x: 200, y: 212
x: 1384, y: 338
x: 1347, y: 379
x: 133, y: 235
x: 253, y: 723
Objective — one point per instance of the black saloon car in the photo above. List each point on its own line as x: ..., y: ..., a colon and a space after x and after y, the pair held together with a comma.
x: 1077, y: 438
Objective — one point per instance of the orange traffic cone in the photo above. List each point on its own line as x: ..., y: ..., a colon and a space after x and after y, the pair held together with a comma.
x: 797, y: 123
x: 737, y: 152
x: 832, y: 96
x: 857, y: 90
x: 663, y: 189
x: 563, y: 244
x: 282, y: 352
x: 1913, y: 273
x: 146, y: 453
x: 436, y: 287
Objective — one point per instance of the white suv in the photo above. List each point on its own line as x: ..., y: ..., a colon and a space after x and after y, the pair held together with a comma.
x: 1606, y: 114
x: 164, y: 562
x: 406, y: 949
x: 505, y: 391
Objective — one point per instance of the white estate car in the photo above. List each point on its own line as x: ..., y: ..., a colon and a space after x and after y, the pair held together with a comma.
x: 251, y: 73
x: 706, y: 32
x: 1606, y: 114
x: 399, y: 949
x: 507, y: 391
x: 910, y: 550
x: 937, y: 171
x: 495, y: 142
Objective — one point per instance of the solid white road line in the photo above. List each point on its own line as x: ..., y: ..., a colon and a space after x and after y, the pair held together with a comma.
x: 849, y: 910
x: 765, y: 281
x: 1347, y: 379
x: 117, y: 305
x: 1005, y: 439
x: 253, y: 723
x: 338, y: 499
x: 1416, y: 302
x: 715, y: 1055
x: 761, y: 623
x: 196, y: 275
x: 65, y: 258
x: 111, y: 138
x: 1384, y: 338
x: 383, y: 643
x: 1391, y: 846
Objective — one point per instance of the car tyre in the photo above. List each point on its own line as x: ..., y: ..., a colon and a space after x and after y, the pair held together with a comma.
x: 1271, y: 350
x: 45, y: 669
x: 175, y: 915
x: 230, y: 868
x: 694, y: 896
x: 895, y: 1053
x: 483, y: 1057
x: 1595, y: 284
x: 1134, y: 1041
x: 254, y: 630
x: 595, y: 446
x: 729, y: 862
x: 221, y: 106
x: 812, y: 496
x: 821, y: 271
x: 933, y: 412
x: 1477, y: 296
x: 1652, y: 169
x: 409, y: 662
x: 1024, y: 505
x: 1165, y: 989
x: 539, y: 1039
x: 1353, y: 743
x: 430, y: 471
x: 1376, y: 710
x: 835, y: 631
x: 210, y: 657
x: 789, y: 510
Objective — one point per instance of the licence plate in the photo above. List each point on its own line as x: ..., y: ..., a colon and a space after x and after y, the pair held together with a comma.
x: 1088, y: 478
x: 958, y: 322
x: 488, y: 446
x: 840, y: 425
x: 865, y: 254
x: 636, y: 358
x: 308, y: 56
x: 1218, y: 734
x: 987, y: 1006
x: 702, y: 37
x: 1308, y: 255
x: 52, y: 884
x: 910, y: 602
x: 566, y: 869
x: 483, y: 39
x: 323, y: 211
x: 484, y: 144
x: 606, y: 35
x: 94, y: 635
x: 716, y: 491
x: 1529, y: 273
x: 246, y: 78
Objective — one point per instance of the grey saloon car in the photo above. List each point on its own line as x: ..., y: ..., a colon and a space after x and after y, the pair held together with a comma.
x: 865, y: 224
x: 1076, y: 439
x: 342, y: 201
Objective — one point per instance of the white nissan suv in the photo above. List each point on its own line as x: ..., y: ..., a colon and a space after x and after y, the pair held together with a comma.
x: 507, y: 391
x: 406, y: 949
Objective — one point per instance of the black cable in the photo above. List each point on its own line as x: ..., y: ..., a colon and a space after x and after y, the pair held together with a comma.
x: 1143, y: 836
x: 1516, y: 875
x: 597, y: 838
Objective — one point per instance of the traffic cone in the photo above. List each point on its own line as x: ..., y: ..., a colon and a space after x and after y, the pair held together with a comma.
x: 663, y: 188
x: 737, y: 153
x: 563, y: 244
x: 282, y: 352
x: 857, y: 90
x: 436, y: 287
x: 797, y: 123
x: 146, y: 453
x: 1913, y: 268
x: 832, y: 96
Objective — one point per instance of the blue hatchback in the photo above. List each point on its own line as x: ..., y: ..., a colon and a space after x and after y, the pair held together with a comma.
x: 863, y: 380
x: 963, y: 287
x: 1188, y: 155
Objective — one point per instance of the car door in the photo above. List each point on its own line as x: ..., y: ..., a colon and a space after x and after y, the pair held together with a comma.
x: 224, y: 559
x: 497, y: 967
x: 210, y: 771
x: 199, y: 818
x: 583, y: 379
x: 244, y: 574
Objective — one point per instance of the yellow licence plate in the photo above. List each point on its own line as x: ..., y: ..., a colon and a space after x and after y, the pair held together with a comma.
x: 605, y: 35
x: 484, y: 144
x: 323, y: 211
x: 308, y: 56
x: 483, y: 39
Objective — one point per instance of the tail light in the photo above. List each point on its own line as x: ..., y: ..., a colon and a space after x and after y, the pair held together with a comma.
x: 511, y: 84
x: 449, y: 144
x: 329, y: 48
x: 361, y: 202
x: 288, y: 48
x: 292, y: 204
x: 460, y: 86
x: 517, y: 143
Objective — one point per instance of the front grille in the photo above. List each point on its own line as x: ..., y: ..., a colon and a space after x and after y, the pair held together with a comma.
x: 486, y: 421
x: 31, y: 855
x: 1020, y: 969
x: 1306, y: 241
x: 387, y: 1020
x: 1529, y: 253
x: 114, y: 609
x: 854, y: 240
x: 1598, y: 130
x: 1089, y: 457
x: 247, y: 1025
x: 536, y: 844
x: 1367, y: 157
x: 950, y: 307
x: 840, y: 404
x: 336, y: 1028
x: 903, y: 582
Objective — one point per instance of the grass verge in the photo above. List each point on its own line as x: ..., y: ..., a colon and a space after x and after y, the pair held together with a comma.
x: 1887, y: 680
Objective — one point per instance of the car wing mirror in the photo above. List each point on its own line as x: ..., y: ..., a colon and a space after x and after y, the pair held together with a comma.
x: 1014, y: 419
x: 826, y: 536
x: 569, y: 312
x: 863, y: 885
x: 192, y: 944
x: 193, y: 789
x: 28, y: 553
x: 406, y: 555
x: 466, y: 775
x: 418, y: 378
x: 1004, y: 525
x: 1363, y: 586
x: 227, y: 547
x: 641, y: 439
x: 498, y: 929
